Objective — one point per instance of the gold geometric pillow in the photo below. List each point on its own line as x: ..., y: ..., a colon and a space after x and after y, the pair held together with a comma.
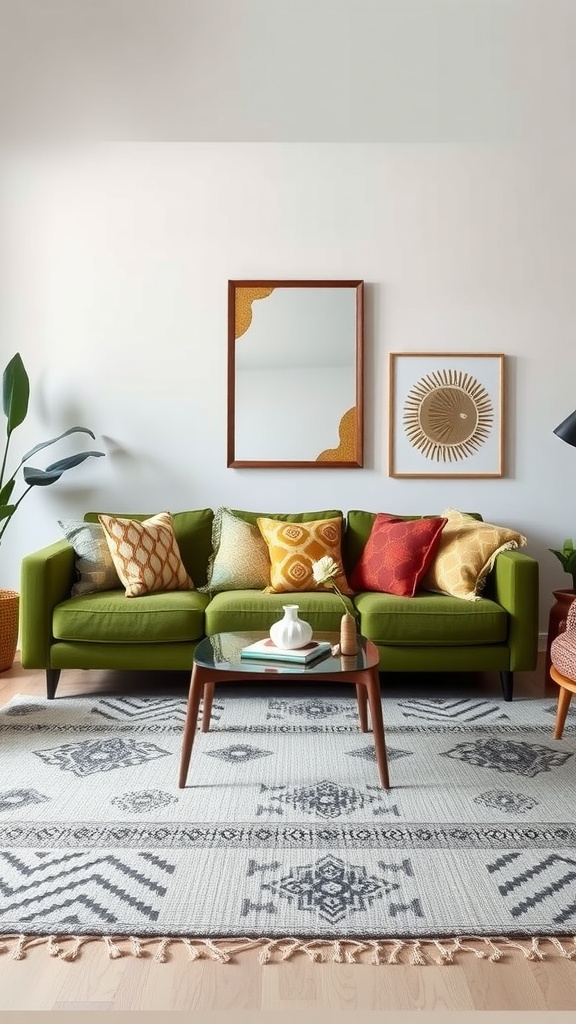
x: 146, y: 555
x: 292, y: 547
x: 240, y: 555
x: 466, y: 554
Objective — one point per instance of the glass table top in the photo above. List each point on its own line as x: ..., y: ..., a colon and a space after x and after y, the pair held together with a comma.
x: 222, y: 652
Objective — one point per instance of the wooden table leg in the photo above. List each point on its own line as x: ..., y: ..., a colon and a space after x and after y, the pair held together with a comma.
x: 374, y: 700
x: 564, y: 698
x: 207, y: 699
x: 362, y: 698
x: 194, y: 696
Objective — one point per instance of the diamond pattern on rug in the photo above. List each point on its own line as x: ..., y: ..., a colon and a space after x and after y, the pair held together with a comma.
x: 444, y: 709
x: 369, y: 753
x: 100, y: 755
x: 314, y: 709
x: 14, y: 799
x: 324, y: 799
x: 143, y: 800
x: 333, y: 888
x: 509, y: 756
x: 238, y: 753
x: 503, y: 800
x: 527, y: 882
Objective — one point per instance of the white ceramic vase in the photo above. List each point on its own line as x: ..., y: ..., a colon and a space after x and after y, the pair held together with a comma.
x: 290, y: 632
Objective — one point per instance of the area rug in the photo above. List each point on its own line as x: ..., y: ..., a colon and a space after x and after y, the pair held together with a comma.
x: 283, y: 838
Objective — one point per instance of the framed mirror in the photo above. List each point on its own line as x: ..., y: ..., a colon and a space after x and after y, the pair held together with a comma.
x: 295, y: 374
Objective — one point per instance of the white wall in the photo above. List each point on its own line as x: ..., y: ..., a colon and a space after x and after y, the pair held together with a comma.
x: 114, y: 289
x: 426, y: 146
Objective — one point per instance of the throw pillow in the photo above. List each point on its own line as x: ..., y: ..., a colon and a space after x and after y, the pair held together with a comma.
x: 397, y: 554
x: 95, y: 569
x: 293, y: 547
x: 240, y: 555
x: 466, y: 554
x: 146, y: 554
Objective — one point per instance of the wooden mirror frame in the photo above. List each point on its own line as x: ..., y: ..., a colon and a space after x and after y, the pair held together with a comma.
x: 348, y: 447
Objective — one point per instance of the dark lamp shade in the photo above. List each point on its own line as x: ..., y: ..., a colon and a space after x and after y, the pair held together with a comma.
x: 567, y: 429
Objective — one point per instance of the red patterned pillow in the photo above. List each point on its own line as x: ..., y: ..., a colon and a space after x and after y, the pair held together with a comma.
x: 397, y: 554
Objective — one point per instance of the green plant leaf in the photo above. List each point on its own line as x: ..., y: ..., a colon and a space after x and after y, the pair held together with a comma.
x: 44, y: 477
x: 6, y: 492
x: 46, y: 444
x: 6, y: 510
x: 15, y: 393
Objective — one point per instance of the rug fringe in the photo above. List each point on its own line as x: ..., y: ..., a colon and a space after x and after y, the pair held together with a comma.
x: 418, y: 952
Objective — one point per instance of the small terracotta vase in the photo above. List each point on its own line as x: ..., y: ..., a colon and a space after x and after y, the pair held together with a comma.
x: 348, y: 635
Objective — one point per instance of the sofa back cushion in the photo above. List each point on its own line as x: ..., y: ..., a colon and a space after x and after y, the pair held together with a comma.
x: 193, y: 532
x: 286, y: 517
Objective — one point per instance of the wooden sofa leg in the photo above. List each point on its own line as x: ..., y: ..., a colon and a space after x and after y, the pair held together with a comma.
x: 52, y: 677
x: 507, y: 681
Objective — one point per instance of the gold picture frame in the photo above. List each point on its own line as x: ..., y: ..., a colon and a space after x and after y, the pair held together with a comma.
x: 295, y: 374
x: 446, y: 415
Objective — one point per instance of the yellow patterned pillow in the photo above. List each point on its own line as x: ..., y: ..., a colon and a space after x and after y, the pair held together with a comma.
x: 293, y: 547
x: 146, y: 554
x: 240, y: 555
x: 466, y: 554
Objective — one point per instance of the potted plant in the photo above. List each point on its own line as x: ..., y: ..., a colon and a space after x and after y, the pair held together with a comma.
x: 15, y: 398
x: 567, y: 557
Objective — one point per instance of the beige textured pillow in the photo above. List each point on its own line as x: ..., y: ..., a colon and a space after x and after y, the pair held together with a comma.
x: 146, y: 554
x: 95, y: 569
x: 240, y: 555
x: 293, y: 547
x: 466, y: 554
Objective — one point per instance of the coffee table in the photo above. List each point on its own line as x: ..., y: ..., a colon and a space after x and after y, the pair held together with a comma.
x: 217, y: 660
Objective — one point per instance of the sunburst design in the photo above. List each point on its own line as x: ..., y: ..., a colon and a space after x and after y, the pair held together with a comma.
x: 448, y: 415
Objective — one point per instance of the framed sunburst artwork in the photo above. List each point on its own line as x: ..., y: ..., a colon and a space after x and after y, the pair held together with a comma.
x: 446, y: 415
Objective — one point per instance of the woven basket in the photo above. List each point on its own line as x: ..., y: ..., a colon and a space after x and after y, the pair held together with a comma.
x: 9, y: 606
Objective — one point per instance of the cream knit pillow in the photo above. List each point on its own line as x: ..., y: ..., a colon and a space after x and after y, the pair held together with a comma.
x: 466, y: 554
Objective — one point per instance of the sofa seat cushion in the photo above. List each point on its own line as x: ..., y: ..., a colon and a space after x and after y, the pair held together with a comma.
x: 111, y: 617
x: 430, y: 619
x: 252, y: 609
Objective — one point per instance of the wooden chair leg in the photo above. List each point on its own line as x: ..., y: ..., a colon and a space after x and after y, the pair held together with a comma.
x: 564, y: 698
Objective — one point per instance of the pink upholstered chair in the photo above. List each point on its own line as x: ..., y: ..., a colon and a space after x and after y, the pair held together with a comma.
x: 563, y: 668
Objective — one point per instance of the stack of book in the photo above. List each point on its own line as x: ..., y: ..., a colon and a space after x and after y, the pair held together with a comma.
x: 266, y: 650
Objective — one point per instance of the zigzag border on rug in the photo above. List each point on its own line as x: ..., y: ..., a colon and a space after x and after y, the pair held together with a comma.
x: 418, y: 952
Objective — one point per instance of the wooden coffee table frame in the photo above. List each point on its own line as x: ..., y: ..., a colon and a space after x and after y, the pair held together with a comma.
x: 365, y: 679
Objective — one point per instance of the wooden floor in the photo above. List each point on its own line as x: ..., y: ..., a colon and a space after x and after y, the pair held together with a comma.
x: 95, y: 982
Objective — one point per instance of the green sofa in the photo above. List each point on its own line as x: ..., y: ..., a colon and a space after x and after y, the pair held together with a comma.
x: 426, y: 633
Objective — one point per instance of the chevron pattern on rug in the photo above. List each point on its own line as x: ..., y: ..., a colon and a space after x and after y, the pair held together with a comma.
x: 282, y: 840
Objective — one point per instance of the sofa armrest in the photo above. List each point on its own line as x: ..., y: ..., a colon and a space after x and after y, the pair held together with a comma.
x: 46, y: 578
x: 513, y: 583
